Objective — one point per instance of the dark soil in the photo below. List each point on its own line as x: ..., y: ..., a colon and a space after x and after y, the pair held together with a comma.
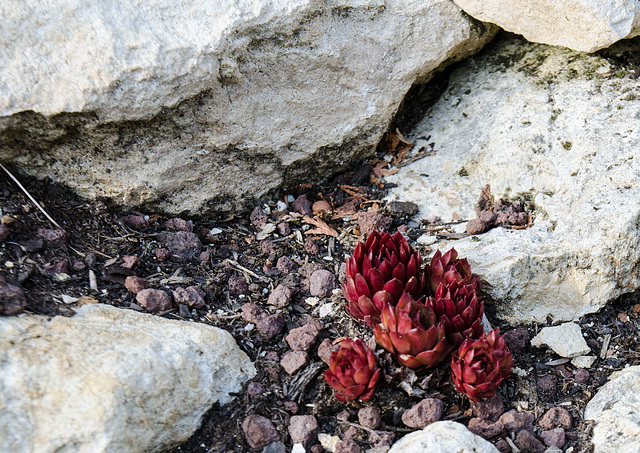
x: 98, y: 238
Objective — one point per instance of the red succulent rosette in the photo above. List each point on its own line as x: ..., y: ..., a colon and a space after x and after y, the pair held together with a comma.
x: 461, y: 310
x: 447, y: 268
x: 410, y: 331
x: 353, y: 371
x: 479, y: 366
x: 379, y: 271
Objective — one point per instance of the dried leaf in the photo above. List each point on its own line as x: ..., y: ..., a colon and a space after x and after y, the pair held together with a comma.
x: 321, y: 227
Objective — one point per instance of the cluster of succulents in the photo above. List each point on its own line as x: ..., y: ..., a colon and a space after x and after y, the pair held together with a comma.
x: 421, y: 316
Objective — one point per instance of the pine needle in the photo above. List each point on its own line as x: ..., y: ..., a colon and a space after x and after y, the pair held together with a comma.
x: 30, y: 197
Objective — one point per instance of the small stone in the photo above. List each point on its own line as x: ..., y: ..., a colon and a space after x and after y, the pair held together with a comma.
x: 303, y: 429
x: 258, y: 217
x: 382, y: 438
x: 162, y: 254
x: 347, y: 446
x: 281, y: 296
x: 517, y: 339
x: 292, y: 361
x: 566, y: 340
x: 317, y: 448
x: 284, y: 229
x: 7, y: 220
x: 136, y: 284
x: 403, y: 208
x: 286, y: 265
x: 182, y: 244
x: 503, y: 446
x: 135, y: 221
x: 4, y: 233
x: 528, y: 442
x: 270, y: 325
x: 302, y: 205
x: 311, y: 247
x: 424, y: 413
x: 476, y: 226
x: 291, y: 406
x: 369, y: 417
x: 583, y: 361
x: 184, y: 311
x: 275, y: 447
x: 547, y: 383
x: 582, y: 375
x: 345, y: 415
x: 204, y: 257
x: 350, y: 433
x: 514, y: 421
x: 491, y: 408
x: 259, y: 431
x: 55, y: 236
x: 252, y: 313
x: 129, y: 261
x: 177, y: 224
x: 487, y: 217
x: 79, y: 266
x: 237, y: 285
x: 154, y: 300
x: 193, y: 296
x: 553, y: 437
x: 90, y: 259
x: 556, y: 417
x: 61, y: 267
x: 302, y: 338
x: 373, y: 221
x: 12, y: 299
x: 321, y: 207
x: 255, y: 389
x: 322, y: 283
x: 486, y: 428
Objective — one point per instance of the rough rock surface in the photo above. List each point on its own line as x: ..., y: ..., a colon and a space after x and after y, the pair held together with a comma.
x: 185, y: 113
x: 566, y: 340
x: 584, y: 25
x: 443, y: 437
x: 616, y: 411
x: 557, y: 125
x: 108, y: 379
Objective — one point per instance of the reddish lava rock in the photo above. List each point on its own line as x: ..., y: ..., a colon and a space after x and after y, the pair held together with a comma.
x: 303, y: 429
x: 182, y: 244
x: 259, y: 431
x: 347, y: 446
x: 528, y: 442
x: 135, y: 221
x: 302, y: 205
x: 154, y: 300
x: 192, y: 296
x: 553, y: 437
x: 325, y: 348
x: 424, y: 413
x: 292, y: 361
x: 582, y: 375
x: 369, y: 417
x: 514, y: 421
x: 129, y: 261
x: 12, y: 299
x: 281, y: 296
x: 302, y: 338
x: 61, y: 267
x: 286, y: 265
x: 178, y: 224
x: 284, y: 229
x: 271, y: 325
x: 136, y: 284
x: 321, y: 283
x: 373, y: 221
x: 517, y: 339
x: 255, y: 389
x: 486, y: 428
x: 311, y: 247
x: 258, y: 217
x: 162, y: 254
x: 252, y: 312
x: 491, y: 408
x: 55, y: 236
x: 237, y: 285
x: 556, y: 417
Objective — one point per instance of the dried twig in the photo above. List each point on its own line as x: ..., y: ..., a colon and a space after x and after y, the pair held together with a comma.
x: 248, y: 271
x: 30, y: 197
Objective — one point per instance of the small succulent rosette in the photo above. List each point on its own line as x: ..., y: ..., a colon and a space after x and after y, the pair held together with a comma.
x: 446, y: 269
x: 379, y: 272
x: 410, y: 330
x: 353, y: 372
x: 479, y: 366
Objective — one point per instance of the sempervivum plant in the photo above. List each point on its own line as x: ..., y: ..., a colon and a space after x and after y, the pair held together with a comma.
x: 353, y: 371
x: 461, y: 310
x: 447, y: 268
x: 378, y: 273
x: 479, y: 366
x: 410, y: 331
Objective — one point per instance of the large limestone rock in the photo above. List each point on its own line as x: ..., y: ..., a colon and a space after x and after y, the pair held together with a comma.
x: 110, y: 380
x: 616, y: 412
x: 443, y: 437
x: 204, y: 105
x: 562, y: 127
x: 585, y: 25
